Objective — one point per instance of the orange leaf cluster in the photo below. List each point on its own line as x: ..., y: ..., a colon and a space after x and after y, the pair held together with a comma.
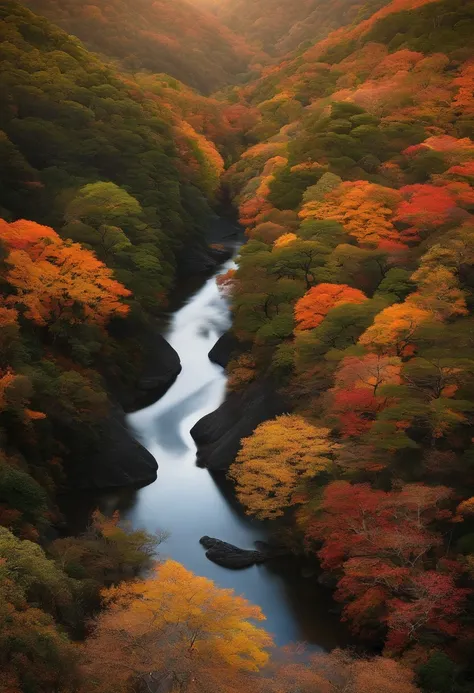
x: 54, y: 279
x: 364, y: 209
x: 313, y: 307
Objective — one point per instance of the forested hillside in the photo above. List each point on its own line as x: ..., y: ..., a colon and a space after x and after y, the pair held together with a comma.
x: 278, y: 26
x: 105, y: 183
x: 351, y: 165
x: 355, y: 291
x: 177, y: 38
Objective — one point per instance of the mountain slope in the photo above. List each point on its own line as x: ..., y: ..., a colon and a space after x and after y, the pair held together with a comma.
x: 176, y: 38
x: 355, y: 295
x: 68, y: 120
x: 278, y: 26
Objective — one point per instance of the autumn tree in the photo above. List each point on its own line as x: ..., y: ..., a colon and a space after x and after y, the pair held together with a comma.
x: 24, y: 234
x: 336, y: 672
x: 34, y: 654
x: 434, y: 603
x: 284, y: 240
x: 394, y: 329
x: 275, y: 460
x: 364, y: 209
x: 56, y: 280
x: 313, y: 307
x: 369, y: 371
x: 424, y: 207
x: 267, y: 232
x: 381, y: 541
x: 174, y: 628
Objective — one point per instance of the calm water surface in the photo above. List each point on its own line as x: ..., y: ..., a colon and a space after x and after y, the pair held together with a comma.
x: 188, y: 502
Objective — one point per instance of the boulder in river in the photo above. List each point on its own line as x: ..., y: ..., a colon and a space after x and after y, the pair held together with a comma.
x: 222, y: 351
x: 161, y: 368
x: 218, y: 434
x: 230, y: 556
x: 198, y: 258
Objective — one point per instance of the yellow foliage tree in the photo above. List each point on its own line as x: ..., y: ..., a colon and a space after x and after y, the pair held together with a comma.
x: 275, y: 459
x: 394, y: 328
x: 466, y: 507
x: 285, y: 239
x: 175, y: 630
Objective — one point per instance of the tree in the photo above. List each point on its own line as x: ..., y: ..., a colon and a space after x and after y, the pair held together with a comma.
x: 275, y: 460
x: 284, y: 240
x: 358, y: 521
x: 364, y: 209
x: 299, y: 259
x: 434, y: 604
x: 34, y: 655
x: 394, y: 329
x: 439, y: 292
x: 56, y: 280
x: 328, y: 182
x: 106, y: 553
x: 424, y: 208
x: 175, y: 628
x: 24, y: 234
x: 368, y: 371
x: 267, y: 232
x: 381, y: 540
x: 313, y: 307
x: 341, y: 328
x: 99, y: 203
x: 336, y: 672
x: 18, y: 490
x: 355, y: 409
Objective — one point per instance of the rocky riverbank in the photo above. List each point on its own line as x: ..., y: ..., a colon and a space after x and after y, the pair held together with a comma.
x: 218, y: 434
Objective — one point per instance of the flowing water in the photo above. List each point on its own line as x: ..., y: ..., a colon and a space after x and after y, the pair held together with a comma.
x: 189, y: 502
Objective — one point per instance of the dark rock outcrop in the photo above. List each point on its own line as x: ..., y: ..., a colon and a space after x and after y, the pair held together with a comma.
x: 151, y: 373
x: 224, y: 348
x: 161, y: 368
x: 201, y: 259
x: 218, y: 434
x: 115, y: 460
x: 230, y: 556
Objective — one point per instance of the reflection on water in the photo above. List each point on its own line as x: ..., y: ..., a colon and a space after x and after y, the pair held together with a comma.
x: 188, y: 502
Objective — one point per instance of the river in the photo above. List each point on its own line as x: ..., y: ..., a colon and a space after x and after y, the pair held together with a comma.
x: 188, y: 502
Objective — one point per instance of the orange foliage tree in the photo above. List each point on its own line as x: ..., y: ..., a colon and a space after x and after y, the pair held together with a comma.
x: 313, y: 307
x: 22, y: 234
x: 464, y: 99
x: 284, y: 240
x: 370, y: 371
x: 57, y: 280
x: 274, y: 461
x: 336, y: 672
x: 364, y: 209
x: 394, y: 329
x: 175, y: 629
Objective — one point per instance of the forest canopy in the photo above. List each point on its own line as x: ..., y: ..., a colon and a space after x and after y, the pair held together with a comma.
x: 348, y: 156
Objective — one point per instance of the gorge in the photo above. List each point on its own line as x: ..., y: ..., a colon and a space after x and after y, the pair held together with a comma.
x: 187, y: 502
x: 285, y: 194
